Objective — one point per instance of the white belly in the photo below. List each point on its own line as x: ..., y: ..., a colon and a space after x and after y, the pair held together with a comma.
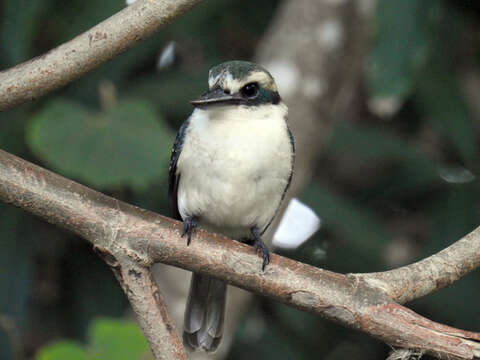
x: 234, y: 167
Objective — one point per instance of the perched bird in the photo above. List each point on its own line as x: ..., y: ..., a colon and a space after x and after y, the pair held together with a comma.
x: 231, y: 164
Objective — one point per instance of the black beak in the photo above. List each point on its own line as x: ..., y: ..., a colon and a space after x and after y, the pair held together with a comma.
x: 216, y: 96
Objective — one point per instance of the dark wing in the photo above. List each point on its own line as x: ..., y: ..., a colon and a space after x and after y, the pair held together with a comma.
x: 292, y: 162
x: 173, y: 177
x: 292, y: 145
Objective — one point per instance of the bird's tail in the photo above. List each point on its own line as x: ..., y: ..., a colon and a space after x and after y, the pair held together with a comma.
x: 204, y: 314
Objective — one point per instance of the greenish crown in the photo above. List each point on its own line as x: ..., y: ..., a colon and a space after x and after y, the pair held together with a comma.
x: 238, y: 69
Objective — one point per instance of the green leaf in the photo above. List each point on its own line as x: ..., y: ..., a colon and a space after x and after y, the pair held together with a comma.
x: 116, y: 340
x: 401, y: 46
x: 62, y: 350
x: 439, y: 98
x: 123, y: 146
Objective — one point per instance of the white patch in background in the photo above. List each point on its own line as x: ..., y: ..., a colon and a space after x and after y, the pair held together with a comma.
x: 329, y: 34
x: 456, y: 175
x: 129, y: 2
x: 385, y: 107
x: 314, y: 87
x: 167, y: 56
x: 298, y: 224
x: 286, y: 75
x: 319, y: 254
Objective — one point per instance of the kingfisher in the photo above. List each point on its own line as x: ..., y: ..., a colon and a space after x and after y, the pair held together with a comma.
x: 230, y: 167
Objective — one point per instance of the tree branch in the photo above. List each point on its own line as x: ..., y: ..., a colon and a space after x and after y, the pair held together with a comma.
x: 98, y: 219
x: 148, y: 304
x: 435, y: 272
x: 136, y: 238
x: 87, y: 51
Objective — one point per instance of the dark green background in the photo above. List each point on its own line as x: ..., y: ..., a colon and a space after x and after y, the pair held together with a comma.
x: 383, y: 187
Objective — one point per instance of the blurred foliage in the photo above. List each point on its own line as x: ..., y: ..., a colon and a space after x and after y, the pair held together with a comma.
x: 109, y: 340
x: 403, y: 32
x: 83, y: 143
x: 389, y: 190
x: 62, y: 350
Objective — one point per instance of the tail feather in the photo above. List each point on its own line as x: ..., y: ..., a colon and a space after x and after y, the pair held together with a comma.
x: 205, y: 313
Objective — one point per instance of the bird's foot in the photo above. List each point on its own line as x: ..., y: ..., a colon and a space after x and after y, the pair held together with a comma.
x: 260, y: 247
x: 189, y: 227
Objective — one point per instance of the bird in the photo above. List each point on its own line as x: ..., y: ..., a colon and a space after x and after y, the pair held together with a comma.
x: 230, y: 167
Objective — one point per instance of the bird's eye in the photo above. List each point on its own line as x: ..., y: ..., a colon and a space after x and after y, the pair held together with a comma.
x: 250, y: 90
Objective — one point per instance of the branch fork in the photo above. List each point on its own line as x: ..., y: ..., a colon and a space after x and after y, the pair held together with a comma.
x: 131, y: 239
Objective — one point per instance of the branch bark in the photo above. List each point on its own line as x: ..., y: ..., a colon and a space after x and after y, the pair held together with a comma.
x: 96, y: 218
x: 133, y: 239
x: 433, y: 273
x: 87, y: 51
x: 147, y: 303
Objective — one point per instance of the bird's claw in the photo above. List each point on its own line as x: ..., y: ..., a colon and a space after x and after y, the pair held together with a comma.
x: 260, y: 247
x: 189, y: 228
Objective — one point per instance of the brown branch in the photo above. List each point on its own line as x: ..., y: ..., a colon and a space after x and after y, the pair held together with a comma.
x: 98, y: 219
x: 147, y: 303
x: 433, y: 273
x: 87, y: 51
x: 136, y: 238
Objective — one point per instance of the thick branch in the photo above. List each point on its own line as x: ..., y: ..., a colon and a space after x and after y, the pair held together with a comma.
x: 97, y: 218
x: 87, y: 51
x: 127, y: 232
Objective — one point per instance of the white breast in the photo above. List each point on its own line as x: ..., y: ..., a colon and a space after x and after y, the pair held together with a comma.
x: 234, y: 166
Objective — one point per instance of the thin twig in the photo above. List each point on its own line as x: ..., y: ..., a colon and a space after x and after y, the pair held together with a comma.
x: 430, y: 274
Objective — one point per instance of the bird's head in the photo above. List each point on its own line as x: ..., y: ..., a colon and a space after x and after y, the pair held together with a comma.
x: 239, y: 83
